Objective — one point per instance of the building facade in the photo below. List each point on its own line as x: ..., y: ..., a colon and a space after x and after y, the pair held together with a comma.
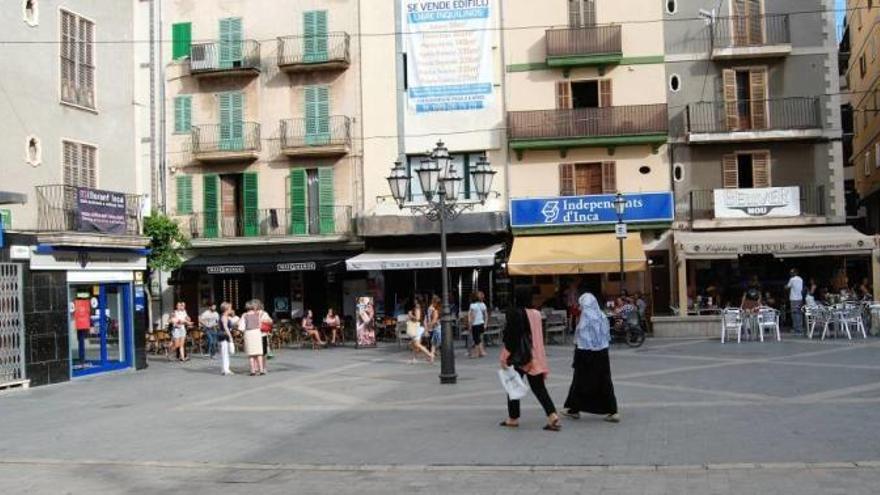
x: 72, y: 255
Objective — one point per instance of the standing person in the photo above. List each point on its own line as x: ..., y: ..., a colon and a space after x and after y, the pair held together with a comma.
x: 795, y: 288
x: 571, y: 305
x: 524, y: 328
x: 591, y: 388
x: 265, y: 333
x: 209, y: 320
x: 249, y: 323
x: 432, y: 325
x: 333, y: 324
x: 415, y: 331
x: 227, y: 316
x: 478, y: 318
x: 180, y: 321
x: 308, y: 325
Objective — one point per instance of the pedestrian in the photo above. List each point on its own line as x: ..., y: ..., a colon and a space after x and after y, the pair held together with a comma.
x: 795, y: 288
x: 591, y: 388
x: 227, y: 317
x: 415, y: 330
x: 333, y: 324
x: 180, y: 321
x: 265, y: 333
x: 209, y: 320
x: 478, y: 317
x: 253, y: 342
x: 432, y: 325
x: 524, y: 350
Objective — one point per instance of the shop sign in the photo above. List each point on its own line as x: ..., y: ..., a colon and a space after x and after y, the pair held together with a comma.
x: 309, y: 266
x: 590, y: 210
x: 778, y: 248
x: 88, y: 260
x: 762, y: 202
x: 100, y: 211
x: 225, y: 269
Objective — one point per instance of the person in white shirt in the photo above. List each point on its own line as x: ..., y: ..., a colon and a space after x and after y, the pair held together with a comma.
x: 478, y: 317
x: 795, y: 288
x: 209, y: 320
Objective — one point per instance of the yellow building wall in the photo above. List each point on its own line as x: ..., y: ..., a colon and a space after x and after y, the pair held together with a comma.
x: 865, y: 97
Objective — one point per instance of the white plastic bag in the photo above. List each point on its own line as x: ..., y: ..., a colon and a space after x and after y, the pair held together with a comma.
x: 231, y: 348
x: 513, y: 384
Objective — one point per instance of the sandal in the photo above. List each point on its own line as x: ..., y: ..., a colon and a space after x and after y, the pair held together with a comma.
x: 572, y: 415
x: 505, y: 424
x: 555, y: 426
x: 612, y: 418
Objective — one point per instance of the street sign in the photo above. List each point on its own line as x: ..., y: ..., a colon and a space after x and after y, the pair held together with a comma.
x: 620, y: 230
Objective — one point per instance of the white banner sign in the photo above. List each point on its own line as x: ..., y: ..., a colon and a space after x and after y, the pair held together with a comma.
x: 758, y: 203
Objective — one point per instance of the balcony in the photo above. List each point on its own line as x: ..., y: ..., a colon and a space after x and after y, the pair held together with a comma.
x: 781, y: 119
x: 588, y: 46
x: 297, y: 54
x: 746, y: 37
x: 266, y: 225
x: 225, y: 59
x: 316, y: 137
x: 219, y: 143
x: 773, y: 206
x: 64, y: 218
x: 588, y: 127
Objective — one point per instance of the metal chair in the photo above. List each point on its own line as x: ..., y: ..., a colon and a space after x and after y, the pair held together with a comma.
x: 731, y: 320
x: 555, y: 324
x: 493, y: 331
x: 400, y: 330
x: 814, y: 316
x: 768, y: 319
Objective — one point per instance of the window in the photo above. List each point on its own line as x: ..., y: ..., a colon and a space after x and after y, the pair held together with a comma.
x: 745, y: 98
x: 317, y: 115
x: 77, y: 60
x: 644, y: 170
x: 181, y: 39
x: 583, y: 179
x: 315, y: 36
x: 312, y: 201
x: 746, y: 170
x: 33, y: 151
x: 182, y: 114
x: 462, y: 163
x: 863, y: 66
x: 30, y: 12
x: 674, y: 83
x: 6, y: 218
x: 79, y: 162
x: 184, y: 194
x: 581, y: 13
x: 678, y: 172
x: 583, y: 94
x: 671, y: 7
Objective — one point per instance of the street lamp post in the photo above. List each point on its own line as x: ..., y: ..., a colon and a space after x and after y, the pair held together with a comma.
x: 620, y: 209
x: 441, y: 185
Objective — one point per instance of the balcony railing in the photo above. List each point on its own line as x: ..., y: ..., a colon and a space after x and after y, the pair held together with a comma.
x: 584, y: 41
x: 314, y: 52
x: 751, y: 31
x: 222, y: 56
x: 271, y: 222
x: 701, y: 203
x: 59, y: 211
x: 798, y: 113
x: 231, y: 138
x: 304, y: 134
x: 588, y: 122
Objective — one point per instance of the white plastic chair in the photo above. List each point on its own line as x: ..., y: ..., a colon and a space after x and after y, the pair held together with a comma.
x: 845, y: 315
x: 815, y: 316
x: 731, y: 320
x: 768, y: 319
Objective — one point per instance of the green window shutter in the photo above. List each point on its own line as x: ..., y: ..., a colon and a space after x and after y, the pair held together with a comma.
x: 251, y: 202
x: 298, y: 210
x: 211, y: 197
x: 230, y: 42
x: 181, y: 39
x: 183, y: 114
x: 184, y: 195
x: 317, y: 112
x: 6, y: 218
x: 326, y: 201
x: 315, y: 36
x: 231, y: 121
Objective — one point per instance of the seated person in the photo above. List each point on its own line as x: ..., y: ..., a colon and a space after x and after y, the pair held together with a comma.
x: 751, y: 299
x: 333, y: 324
x: 309, y: 329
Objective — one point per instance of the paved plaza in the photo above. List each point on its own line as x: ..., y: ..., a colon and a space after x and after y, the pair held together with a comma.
x: 698, y: 417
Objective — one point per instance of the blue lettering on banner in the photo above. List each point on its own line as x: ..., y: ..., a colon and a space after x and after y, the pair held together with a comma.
x: 590, y: 210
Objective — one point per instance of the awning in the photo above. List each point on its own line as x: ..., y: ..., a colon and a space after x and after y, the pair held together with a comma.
x: 416, y: 259
x: 267, y: 262
x: 792, y: 242
x: 570, y: 254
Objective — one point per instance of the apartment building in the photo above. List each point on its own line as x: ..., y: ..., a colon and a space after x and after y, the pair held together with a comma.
x: 756, y: 150
x: 863, y: 77
x: 587, y: 119
x: 264, y: 148
x: 71, y: 251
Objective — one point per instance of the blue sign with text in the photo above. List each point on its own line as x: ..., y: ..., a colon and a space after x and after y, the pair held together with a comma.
x: 590, y: 210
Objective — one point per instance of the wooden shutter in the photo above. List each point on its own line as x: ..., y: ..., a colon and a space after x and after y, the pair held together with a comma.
x: 86, y: 64
x: 231, y: 120
x: 181, y: 39
x: 183, y: 114
x: 210, y: 205
x: 605, y: 99
x: 250, y: 210
x: 230, y: 41
x: 298, y: 201
x: 730, y: 172
x: 730, y: 105
x: 326, y: 201
x: 609, y: 177
x: 566, y: 179
x: 758, y: 95
x: 755, y: 22
x: 317, y: 112
x: 71, y: 164
x: 563, y: 95
x: 315, y: 36
x: 761, y: 169
x: 184, y: 194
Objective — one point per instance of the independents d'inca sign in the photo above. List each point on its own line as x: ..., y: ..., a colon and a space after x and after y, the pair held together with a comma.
x: 651, y: 207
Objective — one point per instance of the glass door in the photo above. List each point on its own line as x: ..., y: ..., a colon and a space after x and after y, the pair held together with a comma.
x: 100, y: 328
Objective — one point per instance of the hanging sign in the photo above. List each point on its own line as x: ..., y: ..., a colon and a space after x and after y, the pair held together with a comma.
x: 100, y: 211
x: 758, y: 202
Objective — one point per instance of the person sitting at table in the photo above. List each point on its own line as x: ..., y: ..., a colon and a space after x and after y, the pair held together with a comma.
x: 751, y: 299
x: 308, y: 325
x: 333, y: 324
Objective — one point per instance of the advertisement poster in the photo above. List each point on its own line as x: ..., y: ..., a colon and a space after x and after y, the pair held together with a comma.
x: 82, y: 314
x: 100, y: 211
x: 366, y: 322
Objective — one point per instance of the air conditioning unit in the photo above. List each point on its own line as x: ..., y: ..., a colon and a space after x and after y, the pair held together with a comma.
x: 203, y: 57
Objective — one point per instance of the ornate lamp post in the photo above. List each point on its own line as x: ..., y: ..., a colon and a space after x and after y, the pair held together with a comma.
x: 620, y: 230
x: 441, y: 185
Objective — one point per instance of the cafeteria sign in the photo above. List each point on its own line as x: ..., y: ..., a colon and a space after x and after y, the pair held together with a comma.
x: 100, y: 211
x: 758, y: 202
x: 589, y: 210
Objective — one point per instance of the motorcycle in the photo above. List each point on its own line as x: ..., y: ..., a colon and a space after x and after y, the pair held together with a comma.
x: 628, y: 329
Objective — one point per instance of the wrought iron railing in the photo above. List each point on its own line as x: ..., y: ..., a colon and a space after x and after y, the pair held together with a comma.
x: 308, y: 50
x: 751, y: 31
x: 233, y: 137
x: 701, y: 203
x: 219, y: 56
x: 308, y: 133
x: 588, y: 122
x: 58, y: 210
x: 269, y: 222
x: 588, y: 40
x: 795, y: 113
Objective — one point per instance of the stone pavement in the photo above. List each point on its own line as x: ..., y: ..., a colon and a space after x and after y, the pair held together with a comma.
x: 699, y: 417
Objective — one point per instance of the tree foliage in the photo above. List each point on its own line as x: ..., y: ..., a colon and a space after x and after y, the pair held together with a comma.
x: 167, y: 242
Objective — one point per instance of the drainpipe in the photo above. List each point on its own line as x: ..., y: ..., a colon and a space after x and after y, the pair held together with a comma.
x: 506, y: 146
